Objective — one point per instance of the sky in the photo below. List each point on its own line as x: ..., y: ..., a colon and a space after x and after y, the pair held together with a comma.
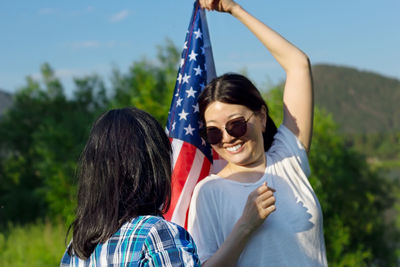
x: 79, y: 38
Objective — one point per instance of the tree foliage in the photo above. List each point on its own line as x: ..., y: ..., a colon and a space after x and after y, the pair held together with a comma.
x: 148, y: 85
x: 43, y: 133
x: 41, y: 137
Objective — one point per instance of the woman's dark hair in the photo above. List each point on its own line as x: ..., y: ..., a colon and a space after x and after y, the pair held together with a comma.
x: 124, y: 171
x: 234, y: 88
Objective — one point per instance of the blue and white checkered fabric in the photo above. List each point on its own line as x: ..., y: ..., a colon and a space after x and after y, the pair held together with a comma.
x: 144, y: 241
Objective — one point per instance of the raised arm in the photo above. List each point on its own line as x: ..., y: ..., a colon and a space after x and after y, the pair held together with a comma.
x: 298, y: 92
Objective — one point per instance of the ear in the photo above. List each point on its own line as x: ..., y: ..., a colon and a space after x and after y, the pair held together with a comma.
x: 263, y: 117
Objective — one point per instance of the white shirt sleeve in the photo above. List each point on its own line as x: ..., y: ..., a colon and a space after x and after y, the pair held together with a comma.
x: 286, y: 144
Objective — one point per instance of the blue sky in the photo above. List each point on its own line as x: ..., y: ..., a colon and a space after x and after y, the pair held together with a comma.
x: 78, y: 38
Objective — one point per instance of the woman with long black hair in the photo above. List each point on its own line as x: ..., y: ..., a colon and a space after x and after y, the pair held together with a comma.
x: 124, y: 188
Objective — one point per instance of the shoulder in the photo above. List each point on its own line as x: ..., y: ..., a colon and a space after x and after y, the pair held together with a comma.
x: 133, y: 235
x: 152, y: 227
x: 285, y: 139
x: 287, y: 148
x: 139, y: 226
x: 155, y: 231
x: 208, y: 189
x: 165, y: 235
x: 170, y: 243
x: 208, y: 184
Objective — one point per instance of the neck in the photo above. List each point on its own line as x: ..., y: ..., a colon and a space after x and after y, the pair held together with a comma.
x: 245, y: 173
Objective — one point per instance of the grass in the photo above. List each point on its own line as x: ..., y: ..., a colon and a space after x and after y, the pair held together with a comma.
x: 39, y: 244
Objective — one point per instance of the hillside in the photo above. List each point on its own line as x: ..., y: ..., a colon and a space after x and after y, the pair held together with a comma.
x: 360, y: 101
x: 5, y: 101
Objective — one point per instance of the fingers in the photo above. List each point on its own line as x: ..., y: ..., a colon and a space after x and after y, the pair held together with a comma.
x: 218, y: 5
x: 264, y: 188
x: 266, y: 195
x: 268, y: 203
x: 260, y: 204
x: 207, y: 4
x: 263, y: 200
x: 266, y: 199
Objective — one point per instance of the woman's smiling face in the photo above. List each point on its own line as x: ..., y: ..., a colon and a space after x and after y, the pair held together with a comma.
x: 246, y: 150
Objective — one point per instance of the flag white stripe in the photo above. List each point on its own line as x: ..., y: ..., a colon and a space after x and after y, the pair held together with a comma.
x: 176, y: 149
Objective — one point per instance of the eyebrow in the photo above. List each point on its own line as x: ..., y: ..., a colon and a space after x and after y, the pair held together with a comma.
x: 229, y: 117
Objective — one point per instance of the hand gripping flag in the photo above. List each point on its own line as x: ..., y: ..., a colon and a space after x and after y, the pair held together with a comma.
x: 192, y: 156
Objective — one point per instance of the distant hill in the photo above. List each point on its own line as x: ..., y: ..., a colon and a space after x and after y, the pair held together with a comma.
x: 360, y: 101
x: 5, y: 101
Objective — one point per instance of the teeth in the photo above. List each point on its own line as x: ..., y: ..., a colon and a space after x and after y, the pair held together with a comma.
x: 234, y: 148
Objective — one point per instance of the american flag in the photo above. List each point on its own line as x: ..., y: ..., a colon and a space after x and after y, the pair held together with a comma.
x: 192, y: 156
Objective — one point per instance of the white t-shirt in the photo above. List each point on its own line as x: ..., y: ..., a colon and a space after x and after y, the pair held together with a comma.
x: 290, y: 236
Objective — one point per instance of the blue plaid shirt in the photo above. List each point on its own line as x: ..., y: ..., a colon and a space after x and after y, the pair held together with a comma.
x: 143, y: 241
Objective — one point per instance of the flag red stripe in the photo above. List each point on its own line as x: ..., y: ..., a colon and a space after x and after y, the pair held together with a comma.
x: 180, y: 173
x: 215, y: 154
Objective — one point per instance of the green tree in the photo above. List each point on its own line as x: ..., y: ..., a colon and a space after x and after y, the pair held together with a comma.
x: 41, y: 137
x: 148, y: 85
x: 43, y: 133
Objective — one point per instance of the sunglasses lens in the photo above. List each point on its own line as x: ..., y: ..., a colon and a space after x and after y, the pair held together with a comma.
x: 214, y: 135
x: 236, y: 127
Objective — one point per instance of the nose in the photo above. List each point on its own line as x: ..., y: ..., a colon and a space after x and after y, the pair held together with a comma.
x: 226, y: 138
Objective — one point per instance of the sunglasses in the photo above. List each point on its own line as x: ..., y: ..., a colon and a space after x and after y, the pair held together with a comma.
x: 236, y: 127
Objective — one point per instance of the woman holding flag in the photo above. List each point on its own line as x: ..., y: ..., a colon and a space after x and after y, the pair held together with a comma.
x: 259, y: 210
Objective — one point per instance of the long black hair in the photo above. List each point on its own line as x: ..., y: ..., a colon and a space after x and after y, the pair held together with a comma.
x: 232, y: 88
x: 124, y: 171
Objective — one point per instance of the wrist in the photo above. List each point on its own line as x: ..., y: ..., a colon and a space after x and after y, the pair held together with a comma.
x: 235, y: 9
x: 243, y: 228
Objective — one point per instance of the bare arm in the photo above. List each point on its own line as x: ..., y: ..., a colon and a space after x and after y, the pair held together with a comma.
x: 298, y: 93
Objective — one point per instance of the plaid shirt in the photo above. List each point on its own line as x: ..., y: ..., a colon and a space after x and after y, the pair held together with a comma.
x: 143, y: 241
